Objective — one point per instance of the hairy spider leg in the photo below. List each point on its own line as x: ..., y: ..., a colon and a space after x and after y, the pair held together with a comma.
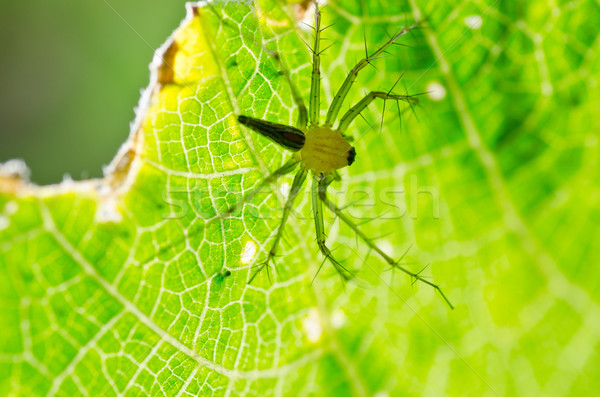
x: 285, y: 169
x: 339, y: 98
x: 319, y: 184
x: 322, y: 192
x: 294, y: 190
x: 284, y: 71
x: 351, y: 114
x: 315, y: 84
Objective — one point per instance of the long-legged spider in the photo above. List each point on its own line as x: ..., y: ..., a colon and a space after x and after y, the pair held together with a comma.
x: 320, y: 150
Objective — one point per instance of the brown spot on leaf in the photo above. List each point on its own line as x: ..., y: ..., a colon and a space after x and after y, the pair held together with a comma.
x: 10, y: 184
x: 14, y: 174
x: 301, y: 8
x: 125, y: 161
x: 120, y: 169
x: 166, y: 74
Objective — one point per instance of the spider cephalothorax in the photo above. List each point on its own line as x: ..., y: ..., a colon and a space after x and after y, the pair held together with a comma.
x: 321, y: 150
x: 325, y: 150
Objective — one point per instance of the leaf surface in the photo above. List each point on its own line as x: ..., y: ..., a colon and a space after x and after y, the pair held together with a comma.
x: 133, y: 285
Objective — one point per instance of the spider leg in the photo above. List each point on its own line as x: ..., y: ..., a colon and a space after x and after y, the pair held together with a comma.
x: 286, y: 168
x: 319, y: 185
x: 315, y: 84
x: 340, y: 96
x: 395, y: 264
x: 302, y: 112
x: 284, y: 71
x: 294, y: 190
x: 351, y: 114
x: 283, y: 170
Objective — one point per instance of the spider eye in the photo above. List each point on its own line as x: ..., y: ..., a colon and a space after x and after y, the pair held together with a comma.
x: 351, y: 155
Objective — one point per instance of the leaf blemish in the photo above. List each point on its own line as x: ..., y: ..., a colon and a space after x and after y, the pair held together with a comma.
x: 248, y: 253
x: 312, y: 326
x: 166, y: 74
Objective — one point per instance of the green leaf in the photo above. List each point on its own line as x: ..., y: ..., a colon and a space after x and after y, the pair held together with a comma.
x: 133, y: 285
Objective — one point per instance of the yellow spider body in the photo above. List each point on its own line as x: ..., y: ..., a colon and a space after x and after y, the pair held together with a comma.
x: 325, y: 150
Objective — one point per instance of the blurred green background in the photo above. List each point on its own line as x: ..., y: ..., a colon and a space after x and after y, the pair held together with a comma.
x: 61, y: 62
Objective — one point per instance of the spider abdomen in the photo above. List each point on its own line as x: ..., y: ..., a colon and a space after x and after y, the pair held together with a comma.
x: 289, y: 137
x: 325, y: 150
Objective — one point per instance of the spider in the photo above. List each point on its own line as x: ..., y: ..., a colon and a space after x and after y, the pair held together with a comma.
x: 320, y: 150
